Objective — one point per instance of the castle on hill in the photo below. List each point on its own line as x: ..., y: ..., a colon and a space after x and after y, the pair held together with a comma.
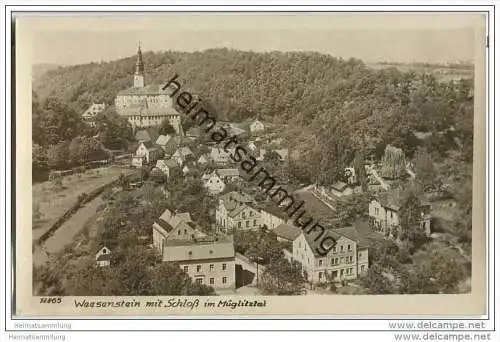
x: 147, y: 105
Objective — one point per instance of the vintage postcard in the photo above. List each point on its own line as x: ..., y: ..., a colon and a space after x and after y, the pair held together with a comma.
x: 194, y: 164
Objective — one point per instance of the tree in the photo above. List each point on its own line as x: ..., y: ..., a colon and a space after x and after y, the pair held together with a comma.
x: 47, y: 281
x: 56, y: 180
x: 394, y: 164
x: 359, y: 170
x: 410, y: 216
x: 58, y: 121
x: 377, y: 282
x: 38, y: 159
x: 166, y: 128
x: 282, y: 278
x: 114, y: 131
x: 425, y: 170
x: 57, y: 156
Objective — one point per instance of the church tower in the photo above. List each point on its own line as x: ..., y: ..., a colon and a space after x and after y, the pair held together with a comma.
x: 139, y: 70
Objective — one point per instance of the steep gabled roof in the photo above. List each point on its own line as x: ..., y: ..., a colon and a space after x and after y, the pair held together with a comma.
x: 287, y: 231
x: 148, y: 134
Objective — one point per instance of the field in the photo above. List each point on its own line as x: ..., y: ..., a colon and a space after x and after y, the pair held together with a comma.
x: 51, y: 202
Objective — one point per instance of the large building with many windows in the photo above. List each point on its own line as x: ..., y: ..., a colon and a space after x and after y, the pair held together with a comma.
x: 207, y: 261
x: 147, y: 105
x: 237, y: 211
x: 346, y: 261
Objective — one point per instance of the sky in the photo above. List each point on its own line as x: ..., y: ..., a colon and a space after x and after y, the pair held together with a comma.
x: 68, y: 43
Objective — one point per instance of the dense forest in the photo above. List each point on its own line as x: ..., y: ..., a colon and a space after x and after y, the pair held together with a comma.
x: 331, y: 108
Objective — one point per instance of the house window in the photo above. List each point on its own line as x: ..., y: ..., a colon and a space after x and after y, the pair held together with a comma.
x: 362, y: 268
x: 211, y: 281
x: 320, y: 275
x: 334, y: 249
x: 224, y: 280
x: 320, y: 262
x: 198, y: 268
x: 254, y: 222
x: 335, y: 274
x: 224, y: 267
x: 376, y: 211
x: 211, y: 267
x: 239, y: 224
x: 185, y: 231
x: 178, y: 232
x: 333, y: 261
x: 199, y: 280
x: 243, y: 215
x: 186, y: 269
x: 341, y: 248
x: 348, y: 247
x: 342, y: 260
x: 247, y: 223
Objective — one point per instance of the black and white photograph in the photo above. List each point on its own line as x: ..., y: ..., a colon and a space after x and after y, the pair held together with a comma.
x: 251, y: 161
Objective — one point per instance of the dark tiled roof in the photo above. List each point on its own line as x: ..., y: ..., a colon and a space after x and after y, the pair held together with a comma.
x: 274, y: 210
x: 286, y: 231
x: 339, y: 186
x: 148, y: 134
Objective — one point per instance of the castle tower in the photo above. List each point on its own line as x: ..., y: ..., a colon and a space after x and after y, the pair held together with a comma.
x: 139, y: 70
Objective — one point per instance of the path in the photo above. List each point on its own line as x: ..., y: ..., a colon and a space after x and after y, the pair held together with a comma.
x: 67, y: 232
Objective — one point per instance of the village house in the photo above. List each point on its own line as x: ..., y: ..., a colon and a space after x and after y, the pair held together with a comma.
x: 251, y: 146
x: 149, y: 152
x: 103, y: 257
x: 345, y: 261
x: 137, y: 161
x: 262, y: 153
x: 213, y: 183
x: 271, y: 216
x: 286, y: 232
x: 219, y: 156
x: 186, y: 169
x: 203, y: 160
x: 90, y: 114
x: 182, y: 155
x: 228, y: 175
x: 163, y: 140
x: 282, y: 153
x: 174, y: 226
x: 385, y: 213
x: 237, y: 210
x: 166, y: 166
x: 350, y: 175
x: 209, y: 261
x: 256, y: 126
